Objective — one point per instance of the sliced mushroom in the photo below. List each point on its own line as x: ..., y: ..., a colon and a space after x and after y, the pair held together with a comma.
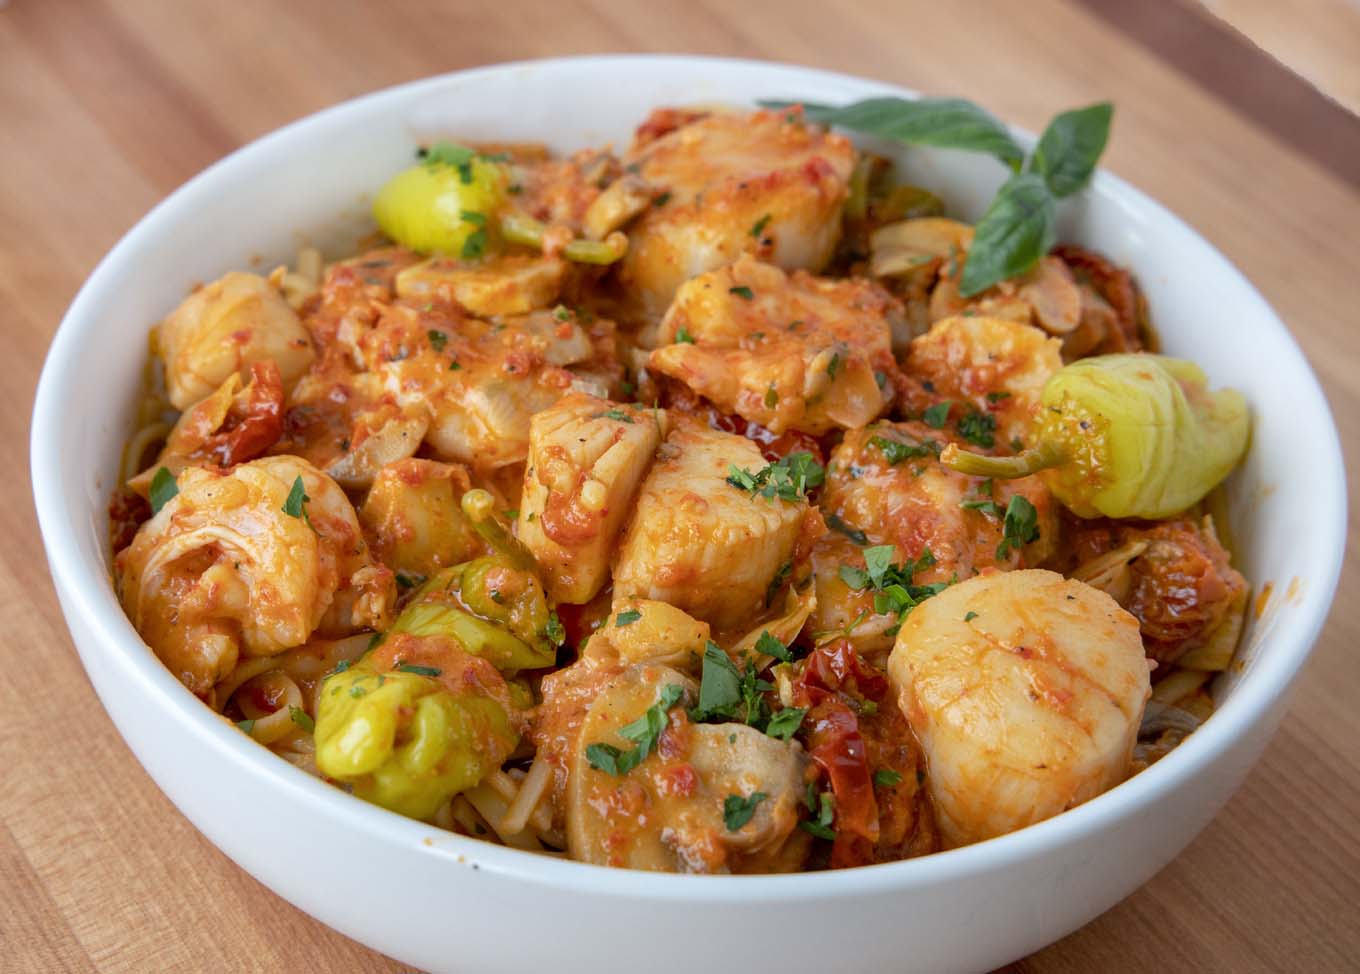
x: 676, y: 810
x: 901, y: 248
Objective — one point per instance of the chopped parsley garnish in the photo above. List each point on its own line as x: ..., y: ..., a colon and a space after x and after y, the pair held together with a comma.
x: 824, y: 807
x: 554, y: 631
x: 725, y: 691
x: 768, y: 645
x: 512, y: 513
x: 969, y: 616
x: 936, y: 415
x: 893, y: 585
x: 341, y: 666
x: 834, y: 365
x: 454, y: 366
x: 759, y: 227
x: 771, y: 397
x: 420, y: 670
x: 663, y: 199
x: 997, y: 396
x: 978, y: 428
x: 683, y: 337
x: 886, y: 778
x: 835, y: 523
x: 788, y: 478
x: 626, y: 618
x: 296, y: 503
x: 742, y: 291
x: 300, y: 717
x: 474, y: 244
x: 618, y: 415
x: 643, y: 732
x: 437, y: 339
x: 737, y: 811
x: 786, y: 722
x: 163, y: 487
x: 451, y: 154
x: 895, y: 451
x: 1020, y: 527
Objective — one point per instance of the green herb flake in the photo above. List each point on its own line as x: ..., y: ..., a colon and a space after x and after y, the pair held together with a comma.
x: 1020, y: 527
x: 737, y: 811
x: 683, y: 337
x: 771, y: 397
x: 886, y: 778
x: 626, y: 618
x: 759, y: 227
x: 768, y: 645
x: 835, y: 523
x: 895, y: 451
x: 163, y: 488
x: 554, y: 631
x: 617, y: 415
x: 300, y: 717
x: 786, y: 722
x: 295, y: 505
x: 419, y: 670
x: 437, y: 339
x: 824, y: 806
x: 743, y: 292
x: 662, y: 200
x: 936, y: 415
x: 969, y: 616
x: 247, y: 726
x: 893, y: 585
x: 978, y: 428
x: 788, y: 478
x: 643, y: 732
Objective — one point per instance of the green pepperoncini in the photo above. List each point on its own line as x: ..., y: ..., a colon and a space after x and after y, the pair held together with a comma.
x: 1126, y: 436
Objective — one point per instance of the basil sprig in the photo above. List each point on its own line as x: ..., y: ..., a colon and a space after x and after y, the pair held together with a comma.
x: 1020, y: 224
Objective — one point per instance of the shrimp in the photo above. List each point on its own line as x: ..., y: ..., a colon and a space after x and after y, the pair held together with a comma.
x: 222, y: 328
x: 1026, y: 691
x: 247, y: 563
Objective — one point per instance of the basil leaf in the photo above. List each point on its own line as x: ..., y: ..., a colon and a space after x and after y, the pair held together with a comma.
x: 1067, y: 153
x: 1017, y: 229
x: 949, y: 123
x: 769, y: 645
x: 420, y: 670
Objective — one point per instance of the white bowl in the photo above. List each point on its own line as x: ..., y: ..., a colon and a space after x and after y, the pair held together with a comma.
x: 443, y: 902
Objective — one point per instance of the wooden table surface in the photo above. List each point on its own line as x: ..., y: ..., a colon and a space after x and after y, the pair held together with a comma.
x: 106, y: 106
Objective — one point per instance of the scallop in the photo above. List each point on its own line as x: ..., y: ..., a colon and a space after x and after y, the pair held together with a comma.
x: 1026, y: 691
x: 787, y: 351
x: 763, y: 183
x: 699, y: 542
x: 587, y: 457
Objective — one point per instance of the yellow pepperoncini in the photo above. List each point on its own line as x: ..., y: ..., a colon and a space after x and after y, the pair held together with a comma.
x: 493, y: 607
x: 404, y: 741
x: 444, y: 204
x: 1126, y: 436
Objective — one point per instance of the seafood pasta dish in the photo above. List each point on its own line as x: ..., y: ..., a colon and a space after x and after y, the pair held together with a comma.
x: 711, y: 503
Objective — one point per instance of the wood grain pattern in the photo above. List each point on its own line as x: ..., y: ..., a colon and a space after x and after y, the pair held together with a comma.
x: 108, y: 106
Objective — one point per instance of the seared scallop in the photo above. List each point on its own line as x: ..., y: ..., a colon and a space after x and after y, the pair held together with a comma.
x: 702, y: 543
x: 1025, y: 690
x: 763, y: 183
x: 785, y: 351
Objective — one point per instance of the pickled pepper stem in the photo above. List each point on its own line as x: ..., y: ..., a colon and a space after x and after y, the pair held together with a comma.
x: 479, y: 508
x: 517, y: 228
x: 1040, y: 457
